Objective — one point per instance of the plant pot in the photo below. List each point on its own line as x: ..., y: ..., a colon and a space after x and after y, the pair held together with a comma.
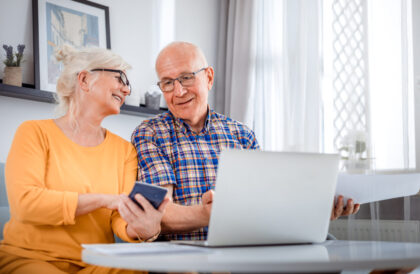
x: 13, y: 76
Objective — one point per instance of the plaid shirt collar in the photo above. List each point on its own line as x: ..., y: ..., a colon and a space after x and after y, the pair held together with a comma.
x: 185, y: 128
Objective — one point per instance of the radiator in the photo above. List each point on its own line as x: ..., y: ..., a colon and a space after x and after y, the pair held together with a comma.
x: 382, y: 230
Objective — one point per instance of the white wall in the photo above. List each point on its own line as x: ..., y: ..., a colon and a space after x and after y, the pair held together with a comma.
x: 191, y: 25
x: 133, y: 34
x: 134, y: 31
x: 14, y: 111
x: 416, y: 65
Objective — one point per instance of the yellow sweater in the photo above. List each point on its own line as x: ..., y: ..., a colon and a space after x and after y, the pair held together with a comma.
x: 45, y: 172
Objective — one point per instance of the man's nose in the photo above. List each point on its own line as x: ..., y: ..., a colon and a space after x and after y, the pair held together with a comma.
x: 179, y: 90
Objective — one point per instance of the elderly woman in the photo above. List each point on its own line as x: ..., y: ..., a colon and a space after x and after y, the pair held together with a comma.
x: 64, y: 176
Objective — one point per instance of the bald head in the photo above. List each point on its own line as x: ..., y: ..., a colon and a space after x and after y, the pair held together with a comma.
x: 180, y: 52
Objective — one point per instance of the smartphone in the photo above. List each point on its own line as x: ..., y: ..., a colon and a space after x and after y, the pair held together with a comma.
x: 154, y: 194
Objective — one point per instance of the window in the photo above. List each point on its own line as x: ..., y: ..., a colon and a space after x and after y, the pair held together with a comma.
x: 367, y: 78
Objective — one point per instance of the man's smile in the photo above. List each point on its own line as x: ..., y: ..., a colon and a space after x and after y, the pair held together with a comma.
x: 184, y: 102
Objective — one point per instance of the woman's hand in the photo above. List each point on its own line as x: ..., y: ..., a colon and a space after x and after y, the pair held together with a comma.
x: 89, y: 202
x: 143, y: 223
x: 111, y: 201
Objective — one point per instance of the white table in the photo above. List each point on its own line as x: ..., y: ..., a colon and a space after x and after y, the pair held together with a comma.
x: 329, y: 256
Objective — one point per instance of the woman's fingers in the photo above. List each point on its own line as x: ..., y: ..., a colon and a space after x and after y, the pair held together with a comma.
x: 141, y: 222
x: 113, y: 201
x: 133, y: 208
x: 128, y: 207
x: 124, y: 211
x: 147, y: 206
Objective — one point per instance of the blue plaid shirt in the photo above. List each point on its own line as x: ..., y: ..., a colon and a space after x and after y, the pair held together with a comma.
x: 169, y: 152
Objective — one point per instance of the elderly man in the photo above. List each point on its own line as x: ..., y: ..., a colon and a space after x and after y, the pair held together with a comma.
x: 179, y: 149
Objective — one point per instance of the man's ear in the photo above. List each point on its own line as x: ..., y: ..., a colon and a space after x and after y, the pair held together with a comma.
x: 210, y: 77
x: 83, y: 80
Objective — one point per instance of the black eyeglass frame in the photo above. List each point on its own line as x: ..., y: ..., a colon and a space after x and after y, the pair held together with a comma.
x: 178, y: 79
x: 123, y: 76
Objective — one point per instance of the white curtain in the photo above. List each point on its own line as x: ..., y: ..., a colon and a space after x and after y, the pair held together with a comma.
x: 273, y: 69
x: 241, y: 46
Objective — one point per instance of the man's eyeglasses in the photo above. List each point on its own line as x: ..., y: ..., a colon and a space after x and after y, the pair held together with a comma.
x: 186, y: 80
x: 122, y: 78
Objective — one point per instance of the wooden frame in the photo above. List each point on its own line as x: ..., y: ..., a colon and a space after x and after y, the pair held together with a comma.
x: 54, y: 24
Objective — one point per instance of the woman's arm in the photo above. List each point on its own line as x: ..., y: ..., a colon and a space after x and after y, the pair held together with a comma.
x: 31, y: 201
x: 87, y: 203
x: 25, y: 171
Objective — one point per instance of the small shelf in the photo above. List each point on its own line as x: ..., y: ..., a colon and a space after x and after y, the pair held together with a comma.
x: 141, y: 110
x: 29, y: 92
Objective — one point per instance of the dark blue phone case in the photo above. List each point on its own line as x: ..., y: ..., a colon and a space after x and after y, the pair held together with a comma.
x: 154, y: 194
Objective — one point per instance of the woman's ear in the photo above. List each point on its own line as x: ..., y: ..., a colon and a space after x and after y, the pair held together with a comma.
x: 83, y: 80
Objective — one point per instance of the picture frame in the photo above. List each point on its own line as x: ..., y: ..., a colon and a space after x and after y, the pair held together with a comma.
x: 79, y: 23
x: 40, y: 90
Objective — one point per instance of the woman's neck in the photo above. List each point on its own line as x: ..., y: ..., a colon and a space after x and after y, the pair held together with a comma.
x: 82, y: 129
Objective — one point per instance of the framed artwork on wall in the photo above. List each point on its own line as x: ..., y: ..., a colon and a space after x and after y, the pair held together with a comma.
x: 76, y: 22
x: 56, y: 22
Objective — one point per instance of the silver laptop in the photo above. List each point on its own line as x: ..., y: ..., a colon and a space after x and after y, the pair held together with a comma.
x: 265, y: 198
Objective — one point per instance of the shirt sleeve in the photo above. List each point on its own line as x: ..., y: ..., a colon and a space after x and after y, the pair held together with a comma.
x: 29, y: 198
x: 119, y: 226
x: 154, y: 166
x: 253, y: 143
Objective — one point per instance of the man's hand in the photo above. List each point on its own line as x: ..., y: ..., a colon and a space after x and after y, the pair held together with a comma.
x: 207, y: 202
x: 186, y: 218
x: 339, y: 209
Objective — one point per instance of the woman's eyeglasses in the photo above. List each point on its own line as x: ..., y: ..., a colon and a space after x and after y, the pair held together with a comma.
x: 122, y: 78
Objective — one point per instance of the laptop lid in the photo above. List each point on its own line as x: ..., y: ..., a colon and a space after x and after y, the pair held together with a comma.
x: 272, y: 198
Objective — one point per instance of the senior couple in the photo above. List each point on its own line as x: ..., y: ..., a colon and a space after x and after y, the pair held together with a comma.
x: 68, y: 178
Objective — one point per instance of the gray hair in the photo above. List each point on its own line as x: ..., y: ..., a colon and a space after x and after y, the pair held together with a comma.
x: 75, y: 61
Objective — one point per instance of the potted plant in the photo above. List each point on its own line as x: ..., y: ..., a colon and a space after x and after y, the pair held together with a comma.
x: 354, y: 152
x: 13, y: 70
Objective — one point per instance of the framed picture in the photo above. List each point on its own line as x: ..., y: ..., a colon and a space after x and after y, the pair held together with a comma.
x: 56, y: 22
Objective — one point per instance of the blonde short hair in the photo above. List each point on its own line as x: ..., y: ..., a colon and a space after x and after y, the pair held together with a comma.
x: 75, y: 61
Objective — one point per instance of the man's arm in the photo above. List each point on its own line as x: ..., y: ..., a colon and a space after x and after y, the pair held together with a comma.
x: 155, y: 168
x: 179, y: 218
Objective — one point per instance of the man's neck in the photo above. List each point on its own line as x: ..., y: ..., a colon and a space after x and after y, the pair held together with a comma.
x: 197, y: 128
x: 197, y: 125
